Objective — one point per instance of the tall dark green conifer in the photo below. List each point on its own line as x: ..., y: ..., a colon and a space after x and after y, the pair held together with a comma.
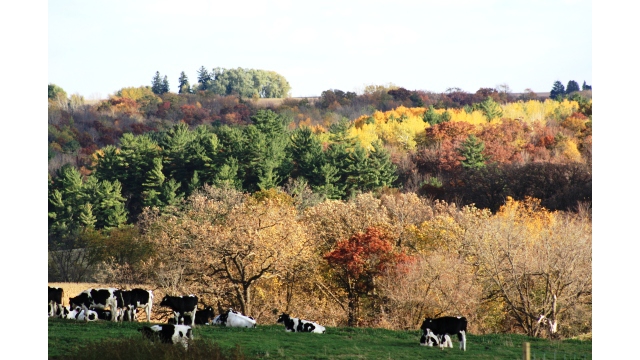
x: 156, y: 84
x: 183, y: 84
x: 557, y: 92
x: 165, y: 85
x: 204, y: 78
x: 471, y: 150
x: 572, y: 86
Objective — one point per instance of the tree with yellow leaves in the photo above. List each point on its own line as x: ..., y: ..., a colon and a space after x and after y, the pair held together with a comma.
x: 224, y: 242
x: 535, y: 263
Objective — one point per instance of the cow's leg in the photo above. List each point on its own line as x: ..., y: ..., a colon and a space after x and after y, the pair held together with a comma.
x: 149, y: 307
x: 463, y: 340
x: 433, y: 340
x: 448, y: 343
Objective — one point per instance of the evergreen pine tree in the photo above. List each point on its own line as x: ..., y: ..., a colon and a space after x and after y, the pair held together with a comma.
x: 471, y: 150
x: 557, y: 91
x: 183, y: 84
x: 306, y: 153
x: 572, y: 86
x: 156, y: 84
x: 381, y: 161
x: 433, y: 118
x: 490, y: 108
x: 165, y: 85
x: 204, y: 78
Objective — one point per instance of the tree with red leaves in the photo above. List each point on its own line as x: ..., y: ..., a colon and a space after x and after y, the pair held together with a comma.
x: 357, y: 262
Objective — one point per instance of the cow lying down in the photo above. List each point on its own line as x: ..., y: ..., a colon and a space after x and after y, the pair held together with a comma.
x: 232, y: 318
x: 78, y: 314
x: 169, y: 334
x: 299, y: 325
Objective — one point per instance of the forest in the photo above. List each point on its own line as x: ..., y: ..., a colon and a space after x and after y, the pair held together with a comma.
x: 374, y: 209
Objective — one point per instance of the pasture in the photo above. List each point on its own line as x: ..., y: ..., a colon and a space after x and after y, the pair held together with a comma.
x: 72, y: 339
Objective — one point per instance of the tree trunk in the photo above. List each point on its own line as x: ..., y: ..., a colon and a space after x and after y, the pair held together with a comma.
x: 353, y: 309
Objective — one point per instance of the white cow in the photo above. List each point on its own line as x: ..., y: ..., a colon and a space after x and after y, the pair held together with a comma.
x: 232, y: 318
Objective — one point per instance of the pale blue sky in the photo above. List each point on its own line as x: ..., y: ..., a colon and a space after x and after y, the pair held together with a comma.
x: 98, y: 47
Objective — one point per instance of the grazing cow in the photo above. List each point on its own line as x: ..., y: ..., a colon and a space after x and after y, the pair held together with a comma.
x: 299, y: 325
x: 130, y: 300
x: 447, y: 325
x: 55, y: 299
x: 169, y: 334
x: 97, y: 299
x: 181, y: 306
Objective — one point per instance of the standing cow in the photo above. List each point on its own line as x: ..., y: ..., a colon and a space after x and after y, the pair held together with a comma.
x: 128, y: 301
x: 182, y: 306
x: 97, y: 299
x: 440, y: 327
x: 55, y: 300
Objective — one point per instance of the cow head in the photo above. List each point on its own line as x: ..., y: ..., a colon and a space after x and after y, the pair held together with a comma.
x: 282, y: 318
x: 165, y: 301
x: 426, y: 324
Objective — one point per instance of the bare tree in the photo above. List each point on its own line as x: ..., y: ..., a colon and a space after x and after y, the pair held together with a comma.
x: 537, y: 263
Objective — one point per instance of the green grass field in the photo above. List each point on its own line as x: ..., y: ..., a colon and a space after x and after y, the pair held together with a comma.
x: 68, y: 338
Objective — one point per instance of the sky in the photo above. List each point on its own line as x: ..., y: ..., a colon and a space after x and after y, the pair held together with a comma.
x: 95, y: 48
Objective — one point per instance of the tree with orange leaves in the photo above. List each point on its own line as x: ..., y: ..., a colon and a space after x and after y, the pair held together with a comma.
x: 357, y: 262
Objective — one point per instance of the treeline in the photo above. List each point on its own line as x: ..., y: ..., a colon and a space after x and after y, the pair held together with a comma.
x: 382, y: 261
x: 247, y: 83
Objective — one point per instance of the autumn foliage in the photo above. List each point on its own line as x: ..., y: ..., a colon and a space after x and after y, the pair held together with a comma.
x: 358, y: 261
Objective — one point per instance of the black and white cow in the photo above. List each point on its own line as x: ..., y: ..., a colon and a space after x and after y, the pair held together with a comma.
x: 55, y: 300
x: 97, y: 299
x: 78, y: 313
x: 181, y: 306
x: 131, y: 300
x: 299, y: 325
x: 62, y: 312
x: 169, y: 334
x: 232, y: 318
x: 447, y: 325
x: 432, y: 340
x: 205, y: 316
x: 89, y: 315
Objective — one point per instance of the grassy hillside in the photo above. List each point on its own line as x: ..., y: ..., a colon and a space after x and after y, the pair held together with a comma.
x: 68, y: 338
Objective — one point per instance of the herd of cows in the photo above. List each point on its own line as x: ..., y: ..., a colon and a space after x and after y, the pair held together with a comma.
x: 92, y: 304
